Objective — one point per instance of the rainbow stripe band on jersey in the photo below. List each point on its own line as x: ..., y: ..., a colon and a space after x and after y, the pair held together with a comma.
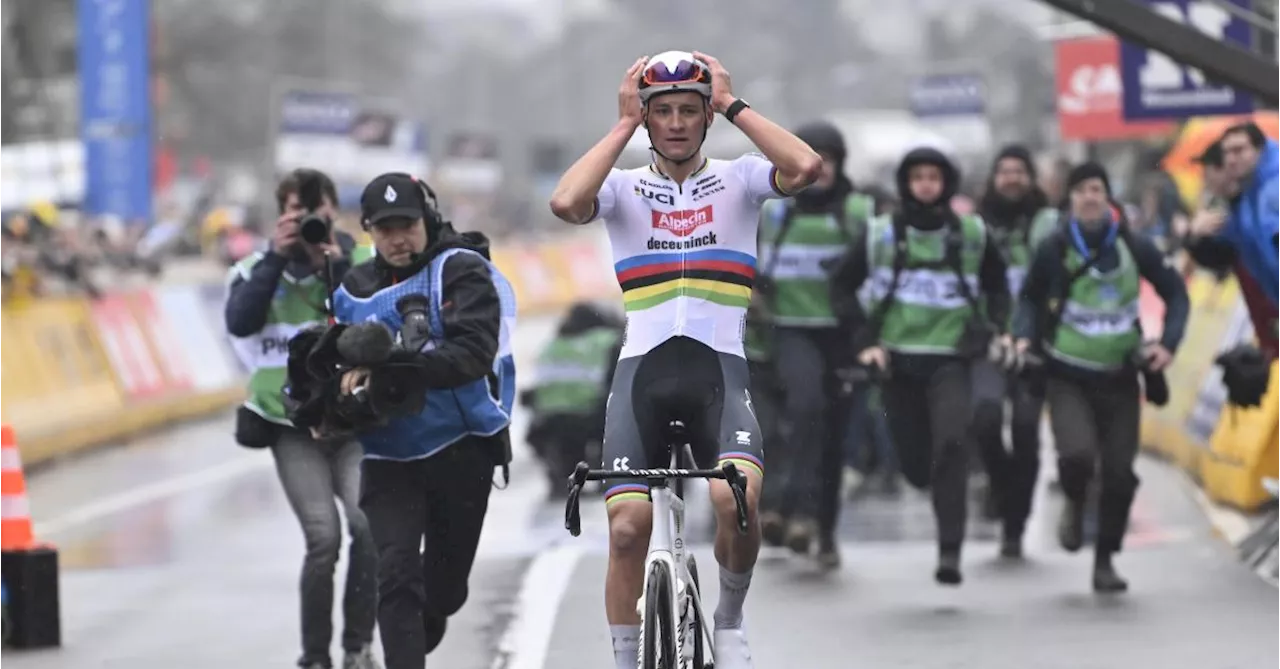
x: 715, y: 275
x: 627, y: 491
x: 742, y: 461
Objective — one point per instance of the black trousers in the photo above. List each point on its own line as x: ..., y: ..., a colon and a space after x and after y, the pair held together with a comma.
x: 426, y: 516
x: 806, y: 464
x: 1096, y: 428
x: 1012, y: 471
x: 929, y: 420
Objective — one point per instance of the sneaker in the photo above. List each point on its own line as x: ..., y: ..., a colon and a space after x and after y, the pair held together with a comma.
x: 360, y: 659
x: 773, y: 528
x: 800, y: 533
x: 1071, y: 526
x: 731, y: 649
x: 828, y: 556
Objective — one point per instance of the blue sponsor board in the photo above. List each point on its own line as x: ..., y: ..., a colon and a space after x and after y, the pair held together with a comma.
x: 1157, y: 87
x: 115, y: 107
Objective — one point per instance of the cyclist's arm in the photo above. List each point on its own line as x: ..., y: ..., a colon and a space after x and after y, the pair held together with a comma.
x: 797, y: 165
x: 993, y: 280
x: 575, y: 199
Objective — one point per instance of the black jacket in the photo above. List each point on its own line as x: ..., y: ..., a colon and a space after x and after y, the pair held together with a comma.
x: 471, y: 310
x: 249, y: 299
x: 1046, y: 275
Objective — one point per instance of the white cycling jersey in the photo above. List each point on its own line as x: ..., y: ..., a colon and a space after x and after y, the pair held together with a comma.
x: 685, y: 254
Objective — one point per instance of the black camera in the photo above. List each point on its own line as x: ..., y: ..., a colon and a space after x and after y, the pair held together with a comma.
x: 416, y: 331
x: 314, y: 228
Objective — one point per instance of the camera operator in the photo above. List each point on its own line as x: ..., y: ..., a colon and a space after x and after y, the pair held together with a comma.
x: 427, y: 475
x: 272, y: 296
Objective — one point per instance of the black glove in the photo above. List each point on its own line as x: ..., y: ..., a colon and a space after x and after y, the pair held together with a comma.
x: 1246, y: 373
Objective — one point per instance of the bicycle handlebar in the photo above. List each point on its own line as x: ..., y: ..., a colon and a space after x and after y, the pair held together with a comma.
x: 582, y: 473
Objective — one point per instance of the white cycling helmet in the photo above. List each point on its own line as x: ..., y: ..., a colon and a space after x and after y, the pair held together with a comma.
x: 674, y: 72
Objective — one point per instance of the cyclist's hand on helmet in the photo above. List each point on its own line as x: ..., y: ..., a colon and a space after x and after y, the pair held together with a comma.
x: 629, y: 107
x: 721, y: 85
x: 874, y: 357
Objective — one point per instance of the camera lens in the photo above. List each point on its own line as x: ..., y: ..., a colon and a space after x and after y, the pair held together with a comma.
x: 314, y: 229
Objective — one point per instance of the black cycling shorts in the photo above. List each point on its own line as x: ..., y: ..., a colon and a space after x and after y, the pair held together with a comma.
x: 681, y: 379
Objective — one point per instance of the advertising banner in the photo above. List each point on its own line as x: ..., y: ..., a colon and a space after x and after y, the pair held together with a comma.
x: 942, y: 95
x: 1157, y: 87
x: 115, y: 107
x: 127, y: 348
x: 53, y: 368
x: 349, y: 138
x: 1090, y: 93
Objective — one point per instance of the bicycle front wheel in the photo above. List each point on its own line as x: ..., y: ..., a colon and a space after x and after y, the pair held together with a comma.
x: 659, y: 648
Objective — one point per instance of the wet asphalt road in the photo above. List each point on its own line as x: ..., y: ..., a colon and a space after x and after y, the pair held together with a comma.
x: 179, y: 550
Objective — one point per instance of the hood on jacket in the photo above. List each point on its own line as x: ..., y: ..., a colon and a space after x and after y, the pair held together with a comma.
x: 927, y: 156
x: 441, y: 239
x: 999, y: 210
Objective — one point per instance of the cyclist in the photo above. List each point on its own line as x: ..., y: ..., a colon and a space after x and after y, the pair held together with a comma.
x: 933, y: 274
x: 799, y: 239
x: 683, y: 232
x: 1018, y: 216
x: 1081, y: 300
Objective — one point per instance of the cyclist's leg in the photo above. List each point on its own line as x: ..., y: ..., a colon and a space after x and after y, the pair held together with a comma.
x: 729, y: 424
x: 630, y: 515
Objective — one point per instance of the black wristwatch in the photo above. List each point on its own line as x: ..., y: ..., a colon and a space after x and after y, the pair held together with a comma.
x: 735, y: 108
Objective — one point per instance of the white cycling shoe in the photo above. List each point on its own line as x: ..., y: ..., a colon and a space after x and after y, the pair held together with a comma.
x: 732, y: 651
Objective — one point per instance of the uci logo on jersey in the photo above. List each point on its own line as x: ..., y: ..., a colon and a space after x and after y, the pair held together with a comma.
x: 664, y: 198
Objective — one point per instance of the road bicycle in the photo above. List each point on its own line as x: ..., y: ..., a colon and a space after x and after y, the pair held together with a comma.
x: 1261, y: 549
x: 674, y: 633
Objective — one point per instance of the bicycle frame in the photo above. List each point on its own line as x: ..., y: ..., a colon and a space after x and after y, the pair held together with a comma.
x: 666, y: 541
x: 667, y: 545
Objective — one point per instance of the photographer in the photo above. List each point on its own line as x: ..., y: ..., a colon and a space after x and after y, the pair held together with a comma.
x: 272, y: 296
x: 1079, y: 308
x: 428, y: 470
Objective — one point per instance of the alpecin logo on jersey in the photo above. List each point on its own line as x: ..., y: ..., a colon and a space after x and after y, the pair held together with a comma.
x: 683, y: 223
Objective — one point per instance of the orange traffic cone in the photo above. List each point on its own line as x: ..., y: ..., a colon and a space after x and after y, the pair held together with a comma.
x: 15, y: 511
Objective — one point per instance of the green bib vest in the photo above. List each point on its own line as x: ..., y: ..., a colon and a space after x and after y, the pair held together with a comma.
x: 802, y: 285
x: 1098, y: 329
x: 571, y: 372
x: 929, y: 312
x: 297, y: 304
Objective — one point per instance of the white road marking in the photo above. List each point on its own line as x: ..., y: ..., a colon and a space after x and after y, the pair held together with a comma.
x: 525, y: 643
x: 112, y: 504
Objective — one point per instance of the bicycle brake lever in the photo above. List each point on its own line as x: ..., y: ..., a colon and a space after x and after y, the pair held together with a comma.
x: 572, y: 514
x: 738, y: 486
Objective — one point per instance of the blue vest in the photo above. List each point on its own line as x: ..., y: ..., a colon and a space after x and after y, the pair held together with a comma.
x: 475, y: 408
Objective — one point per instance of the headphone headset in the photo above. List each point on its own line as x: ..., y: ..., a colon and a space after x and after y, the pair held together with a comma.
x: 430, y: 205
